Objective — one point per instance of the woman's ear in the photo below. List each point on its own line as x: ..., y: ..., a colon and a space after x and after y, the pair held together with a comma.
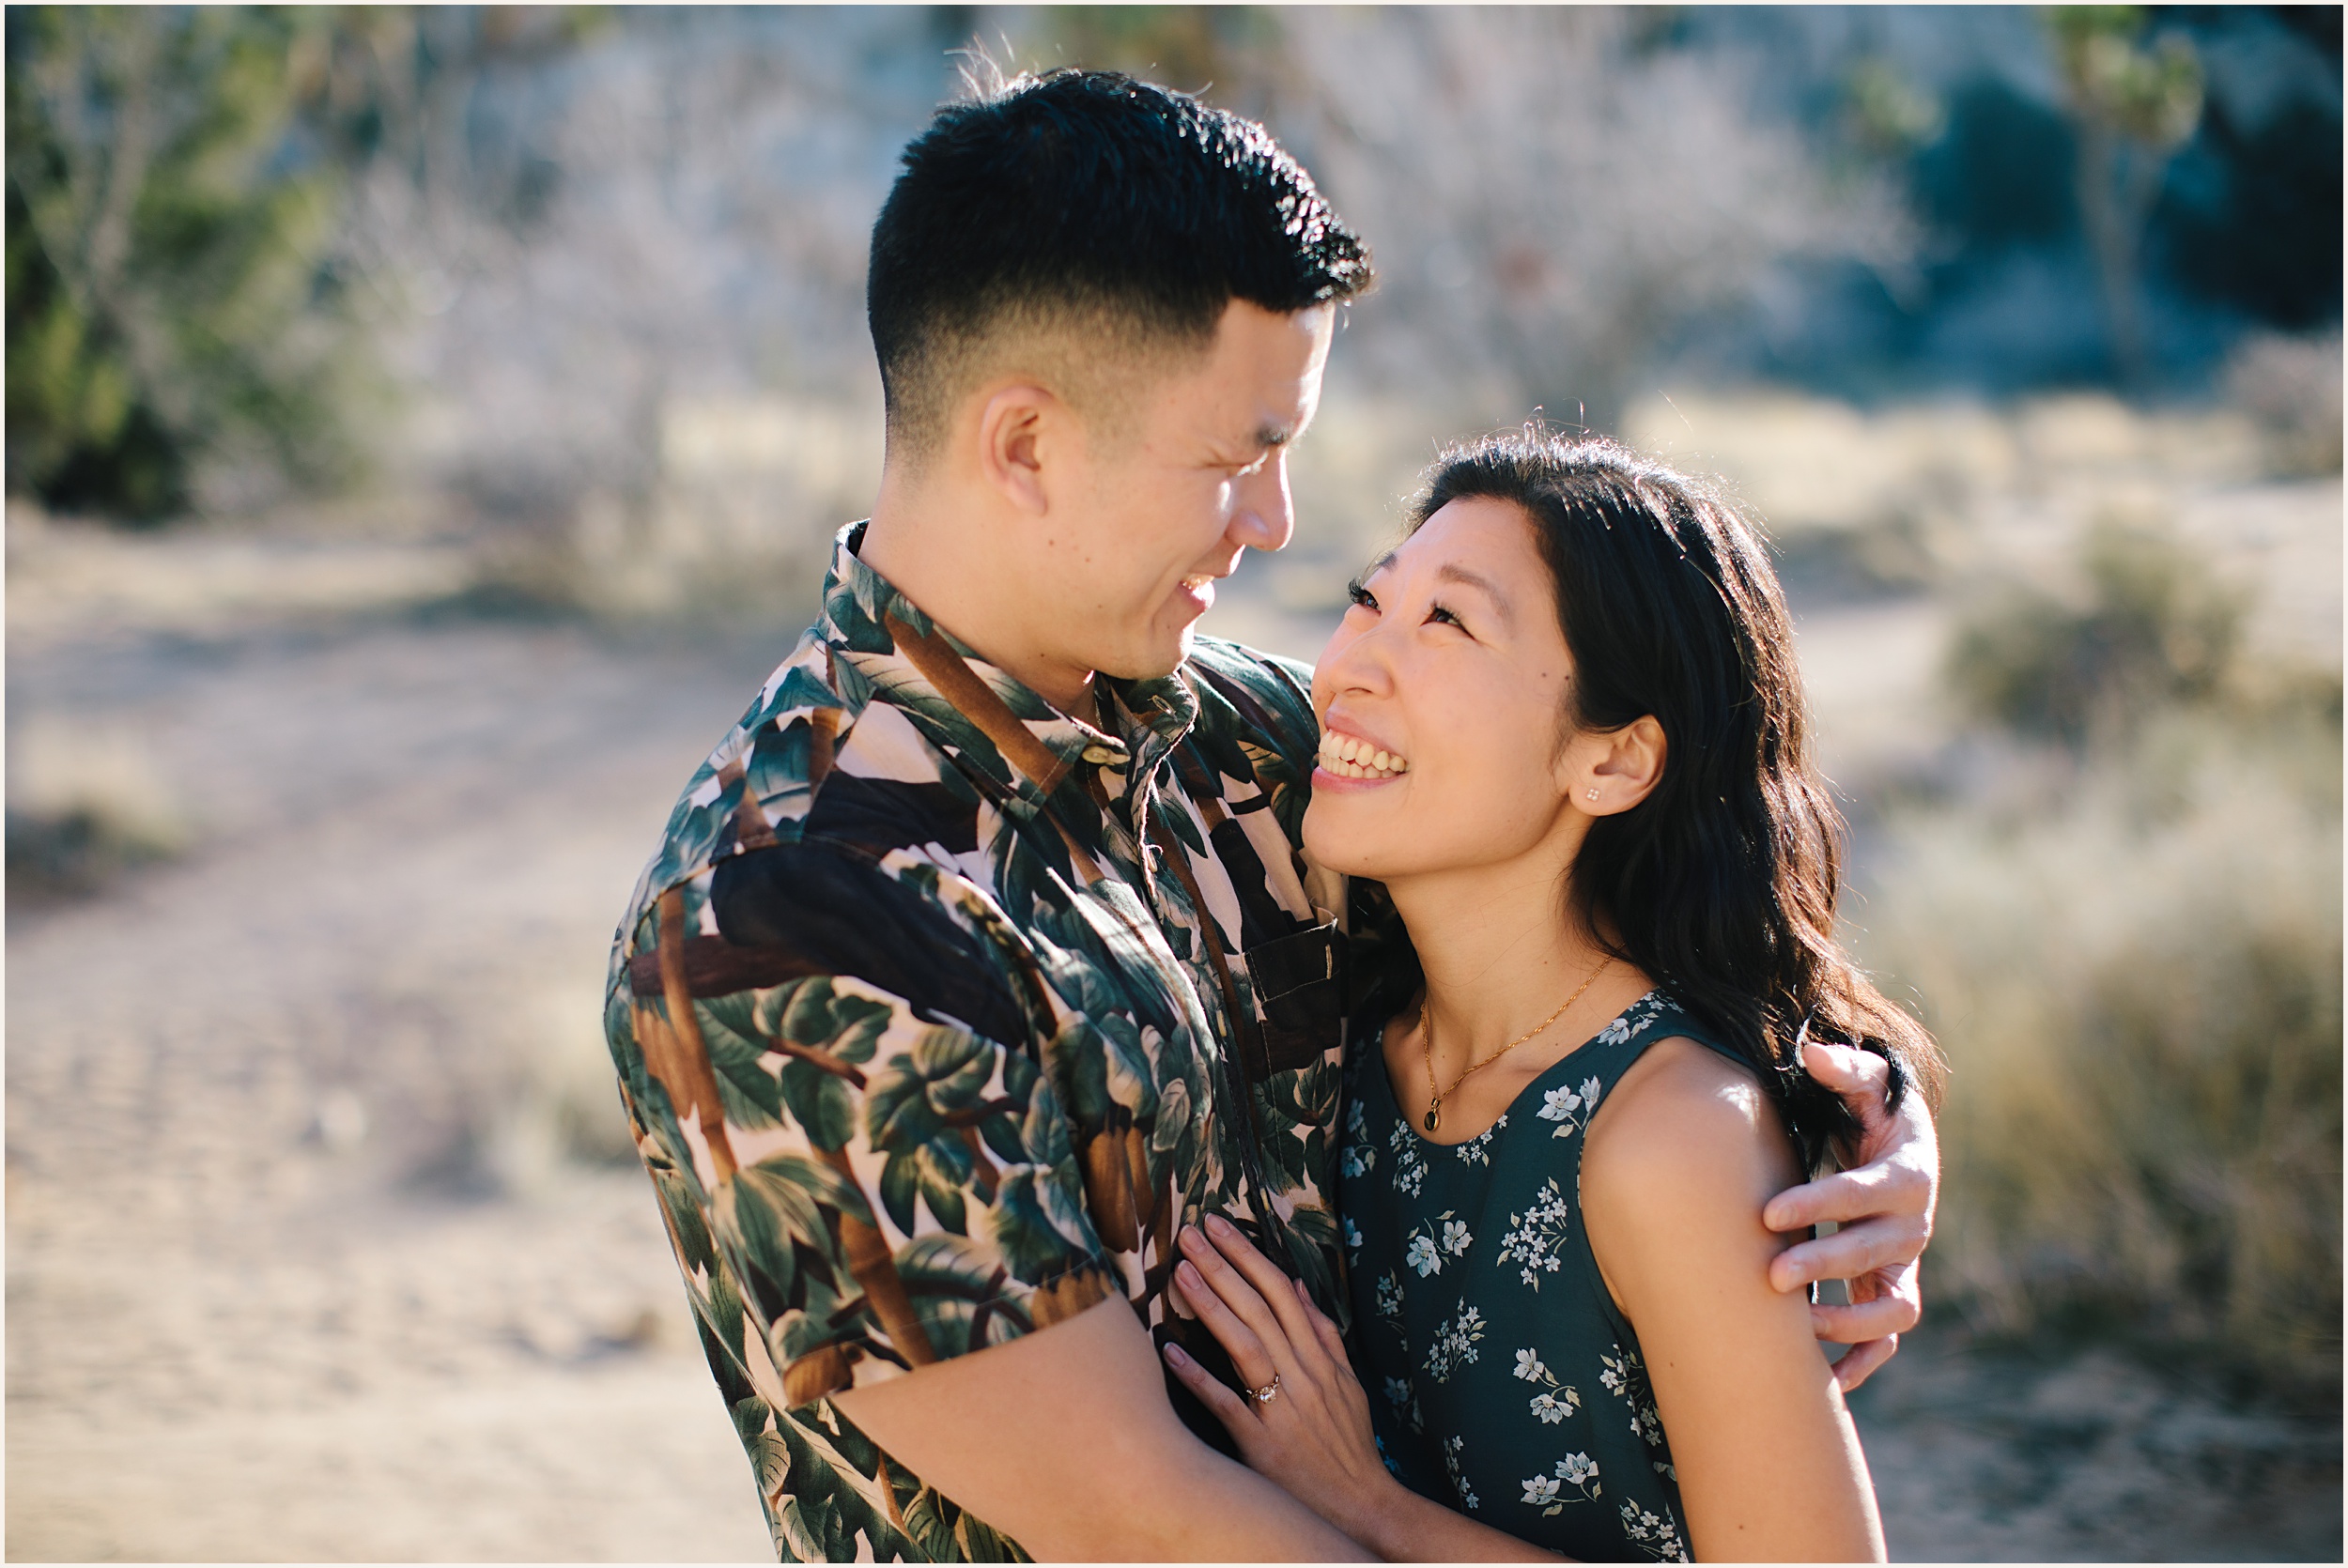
x: 1022, y: 429
x: 1628, y: 766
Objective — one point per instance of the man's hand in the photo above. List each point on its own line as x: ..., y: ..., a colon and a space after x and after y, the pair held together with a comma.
x: 1883, y: 1206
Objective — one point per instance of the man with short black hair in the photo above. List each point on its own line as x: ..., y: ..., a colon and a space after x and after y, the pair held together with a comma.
x: 981, y: 955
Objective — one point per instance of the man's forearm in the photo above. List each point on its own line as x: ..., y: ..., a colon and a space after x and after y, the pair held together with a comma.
x: 1408, y: 1528
x: 1216, y: 1510
x: 1064, y: 1441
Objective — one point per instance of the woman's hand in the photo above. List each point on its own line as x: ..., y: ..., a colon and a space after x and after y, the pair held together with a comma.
x: 1311, y: 1433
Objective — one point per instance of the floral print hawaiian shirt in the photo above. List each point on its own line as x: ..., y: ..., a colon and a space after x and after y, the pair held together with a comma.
x: 938, y: 1010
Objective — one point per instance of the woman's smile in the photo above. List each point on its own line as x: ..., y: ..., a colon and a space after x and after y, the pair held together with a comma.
x: 1345, y: 756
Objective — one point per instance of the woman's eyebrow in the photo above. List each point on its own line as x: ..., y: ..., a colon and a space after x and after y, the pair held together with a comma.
x: 1451, y: 572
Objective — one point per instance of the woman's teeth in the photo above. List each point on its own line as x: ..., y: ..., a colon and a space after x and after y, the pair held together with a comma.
x: 1349, y: 758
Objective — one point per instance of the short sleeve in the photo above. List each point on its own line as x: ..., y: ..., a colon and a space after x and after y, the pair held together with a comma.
x: 861, y: 1175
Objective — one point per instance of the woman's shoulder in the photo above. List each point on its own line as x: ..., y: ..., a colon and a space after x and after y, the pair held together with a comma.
x: 1688, y: 1121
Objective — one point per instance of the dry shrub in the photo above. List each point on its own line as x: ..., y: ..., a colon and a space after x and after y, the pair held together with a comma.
x: 2144, y: 1023
x: 2156, y: 630
x: 2292, y: 386
x: 81, y: 808
x: 2129, y: 947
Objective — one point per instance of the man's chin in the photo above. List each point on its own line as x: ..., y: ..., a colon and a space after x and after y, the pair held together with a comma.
x: 1160, y: 656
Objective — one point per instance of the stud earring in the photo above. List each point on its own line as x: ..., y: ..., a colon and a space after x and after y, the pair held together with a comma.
x: 1590, y: 794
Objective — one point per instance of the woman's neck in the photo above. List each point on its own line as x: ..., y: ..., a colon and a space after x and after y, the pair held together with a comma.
x: 1499, y: 947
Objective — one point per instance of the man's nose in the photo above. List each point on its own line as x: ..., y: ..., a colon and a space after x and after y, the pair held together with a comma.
x: 1263, y: 515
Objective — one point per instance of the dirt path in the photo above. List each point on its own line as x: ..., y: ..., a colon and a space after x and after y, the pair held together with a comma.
x: 303, y: 1261
x: 297, y: 1268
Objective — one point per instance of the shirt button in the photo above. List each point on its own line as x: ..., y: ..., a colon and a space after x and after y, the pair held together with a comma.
x: 1100, y: 755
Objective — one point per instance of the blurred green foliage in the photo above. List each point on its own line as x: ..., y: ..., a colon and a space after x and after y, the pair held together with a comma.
x: 172, y: 293
x: 2153, y: 96
x: 2133, y: 107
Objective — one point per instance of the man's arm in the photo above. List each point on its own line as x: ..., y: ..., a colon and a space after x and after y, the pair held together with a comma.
x: 1883, y: 1206
x: 857, y: 1184
x: 1064, y: 1441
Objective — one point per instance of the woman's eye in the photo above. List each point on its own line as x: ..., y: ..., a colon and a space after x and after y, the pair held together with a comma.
x: 1437, y: 612
x: 1361, y: 596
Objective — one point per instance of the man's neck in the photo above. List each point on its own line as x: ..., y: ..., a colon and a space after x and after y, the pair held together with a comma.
x: 943, y: 564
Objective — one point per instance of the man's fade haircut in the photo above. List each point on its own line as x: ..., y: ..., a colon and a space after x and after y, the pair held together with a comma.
x: 1086, y: 202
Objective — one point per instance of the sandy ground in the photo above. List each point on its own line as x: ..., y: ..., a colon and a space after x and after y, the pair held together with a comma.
x: 306, y: 1256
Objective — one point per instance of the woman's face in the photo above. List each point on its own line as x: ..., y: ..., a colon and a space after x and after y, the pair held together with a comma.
x: 1451, y: 663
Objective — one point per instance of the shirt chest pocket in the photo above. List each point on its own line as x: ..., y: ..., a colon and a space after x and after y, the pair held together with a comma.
x: 1298, y: 984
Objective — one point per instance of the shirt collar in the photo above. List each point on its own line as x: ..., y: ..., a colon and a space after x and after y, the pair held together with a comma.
x: 973, y: 708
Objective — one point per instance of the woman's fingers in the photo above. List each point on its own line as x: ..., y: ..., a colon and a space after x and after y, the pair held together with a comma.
x: 1229, y: 1408
x: 1325, y: 1328
x: 1239, y: 1296
x: 1271, y: 1284
x: 1250, y: 1356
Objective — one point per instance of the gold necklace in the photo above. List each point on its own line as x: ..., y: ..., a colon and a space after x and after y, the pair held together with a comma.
x: 1427, y: 1026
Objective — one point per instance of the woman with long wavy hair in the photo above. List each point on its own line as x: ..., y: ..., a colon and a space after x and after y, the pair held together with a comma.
x: 1563, y: 727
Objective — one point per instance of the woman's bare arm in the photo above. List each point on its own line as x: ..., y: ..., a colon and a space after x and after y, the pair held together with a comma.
x: 1677, y: 1166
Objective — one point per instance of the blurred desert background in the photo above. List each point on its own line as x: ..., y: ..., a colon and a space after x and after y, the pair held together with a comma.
x: 426, y: 429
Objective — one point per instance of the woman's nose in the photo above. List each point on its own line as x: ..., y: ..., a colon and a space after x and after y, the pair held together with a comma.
x: 1356, y: 660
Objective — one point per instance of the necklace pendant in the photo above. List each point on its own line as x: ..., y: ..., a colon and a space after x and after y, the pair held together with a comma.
x: 1434, y: 1114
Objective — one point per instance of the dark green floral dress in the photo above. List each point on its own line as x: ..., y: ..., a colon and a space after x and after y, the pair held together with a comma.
x: 1503, y: 1379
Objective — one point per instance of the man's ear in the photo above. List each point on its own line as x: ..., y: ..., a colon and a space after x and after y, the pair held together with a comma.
x: 1026, y: 438
x: 1628, y: 765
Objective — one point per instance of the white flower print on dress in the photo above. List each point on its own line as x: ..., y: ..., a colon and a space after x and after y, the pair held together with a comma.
x: 1452, y: 1448
x: 1556, y: 1402
x: 1637, y: 1016
x: 1577, y: 1470
x: 1455, y: 1344
x: 1410, y: 1166
x: 1654, y: 1533
x: 1535, y: 1238
x: 1353, y: 1235
x: 1389, y: 1298
x: 1571, y: 1108
x: 1625, y: 1378
x: 1427, y: 1249
x: 1477, y: 1150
